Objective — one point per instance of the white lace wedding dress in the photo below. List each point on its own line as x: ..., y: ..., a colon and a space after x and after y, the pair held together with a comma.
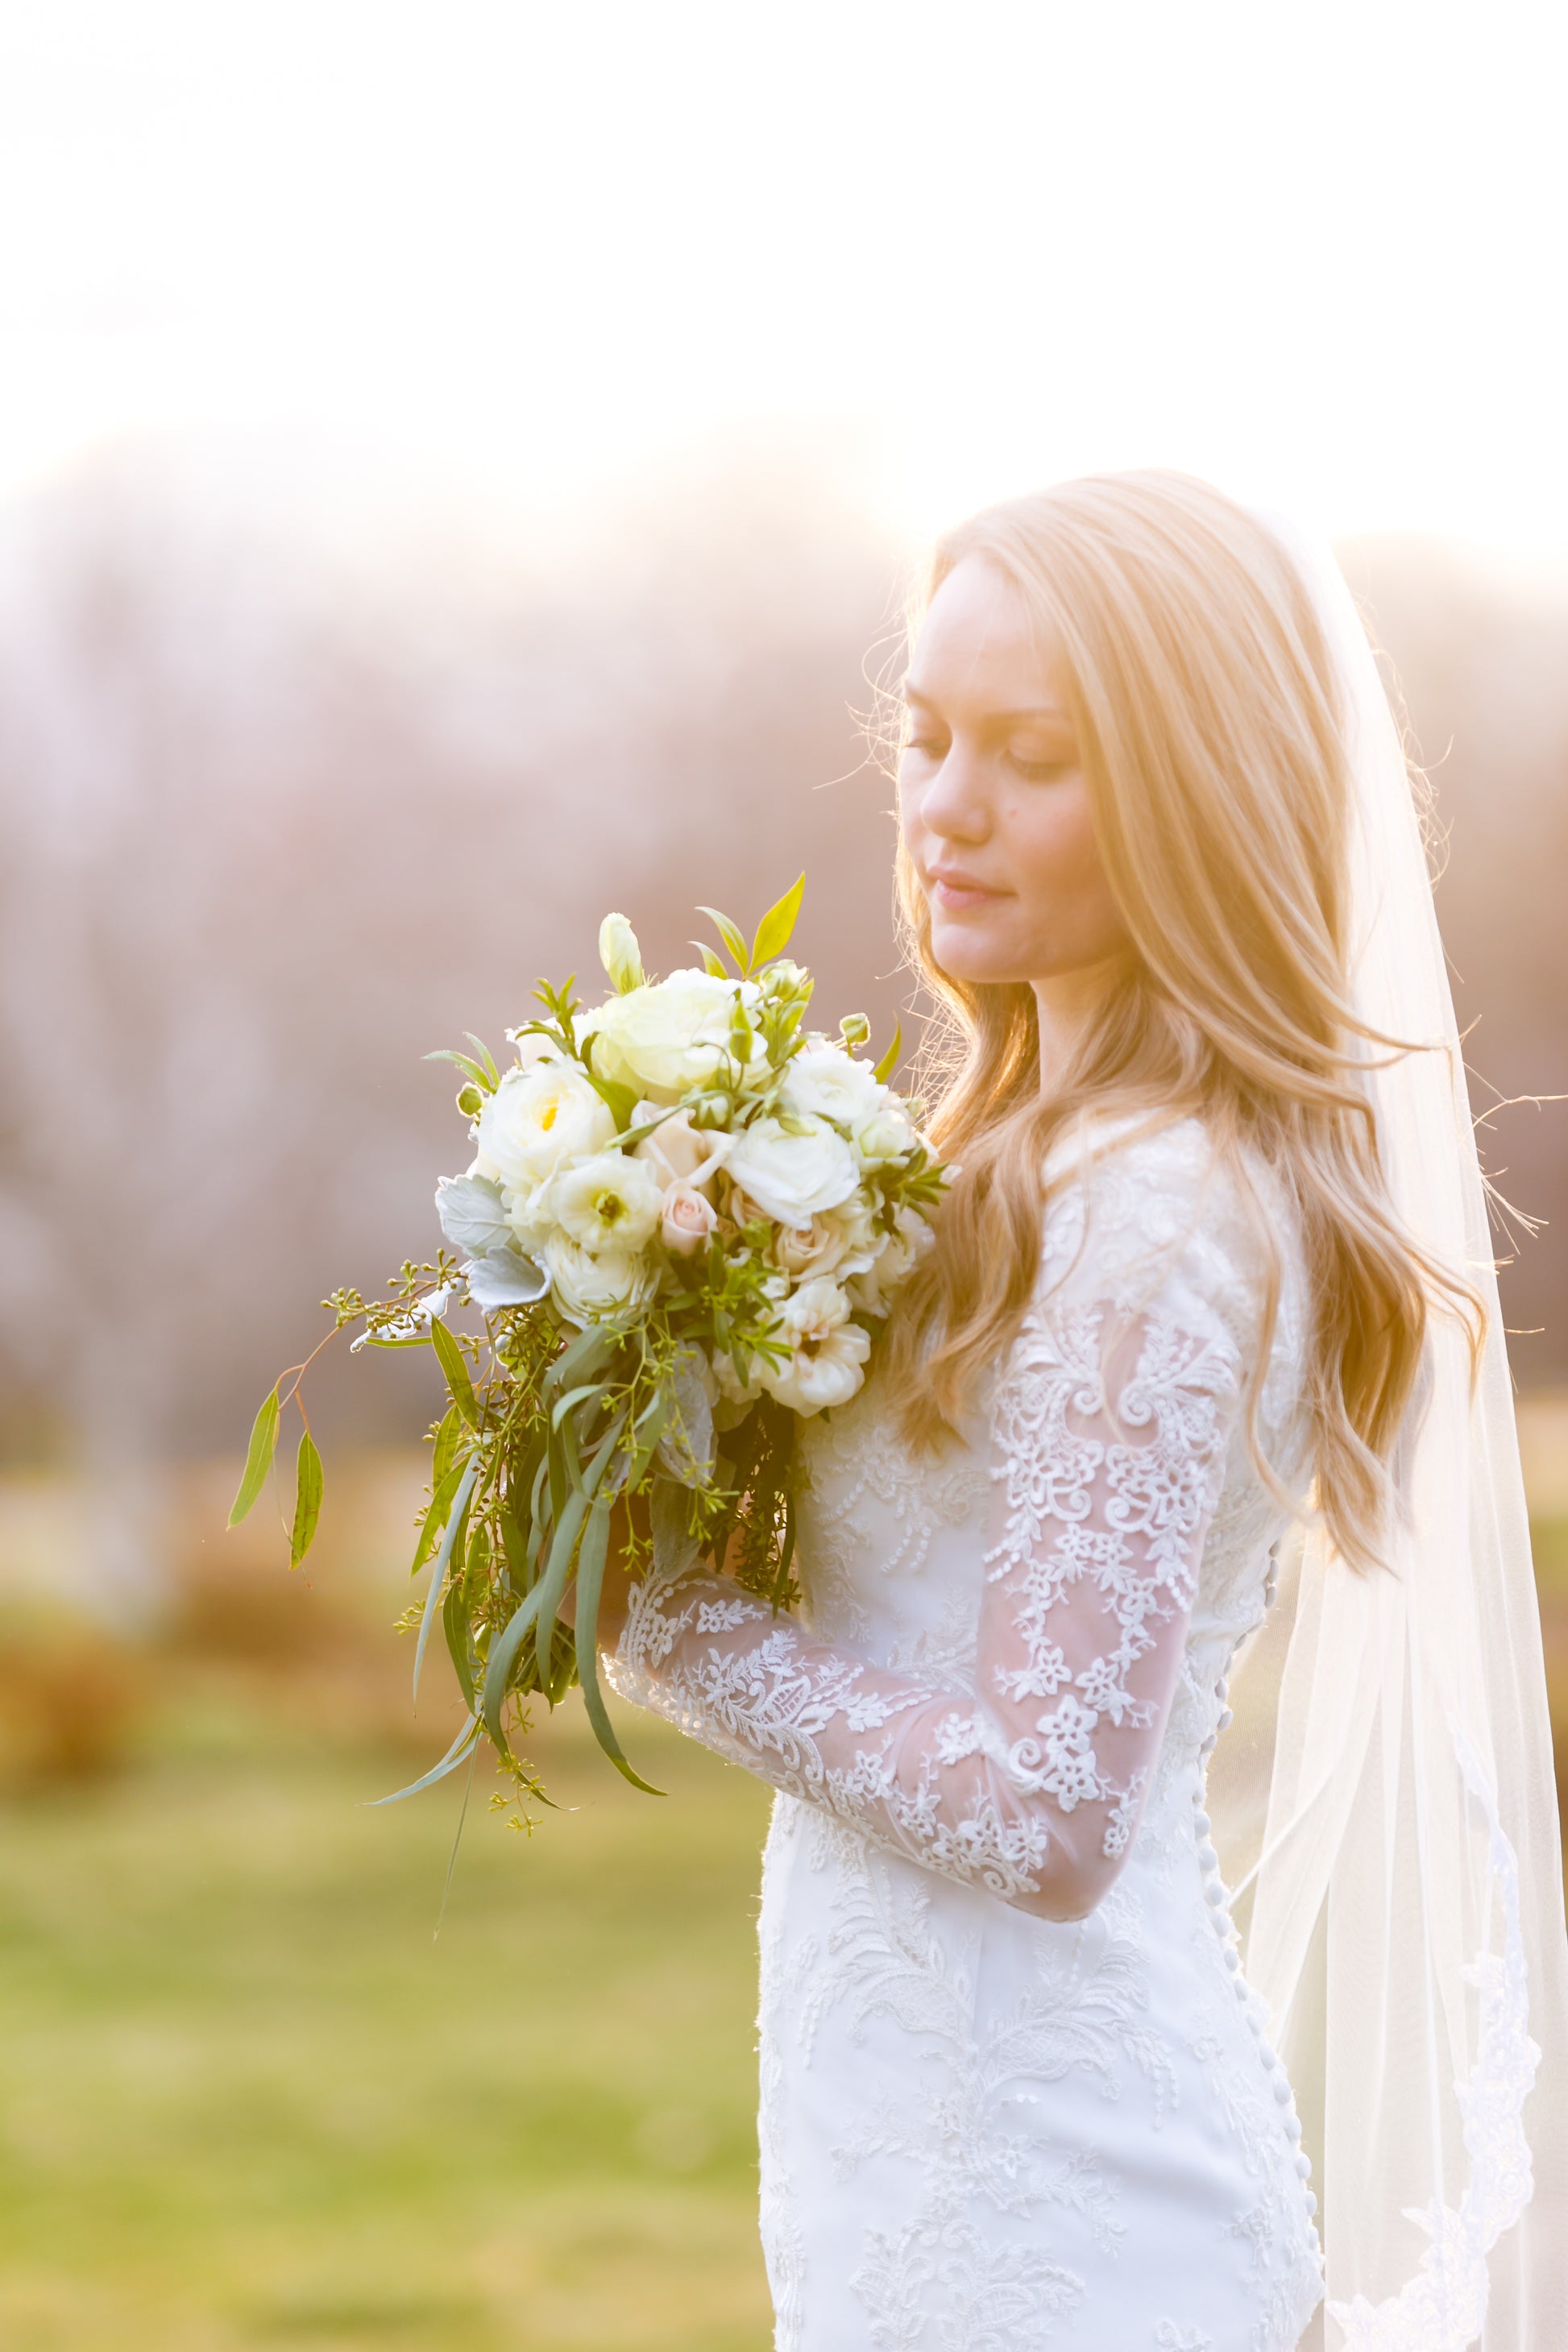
x: 1016, y: 2092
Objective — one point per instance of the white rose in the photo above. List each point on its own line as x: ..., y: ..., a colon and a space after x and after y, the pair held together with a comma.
x: 537, y: 1119
x: 828, y: 1352
x: 687, y: 1218
x: 605, y: 1202
x: 793, y: 1173
x: 901, y: 1252
x: 665, y: 1040
x: 678, y: 1152
x: 586, y: 1288
x: 884, y: 1134
x: 824, y: 1082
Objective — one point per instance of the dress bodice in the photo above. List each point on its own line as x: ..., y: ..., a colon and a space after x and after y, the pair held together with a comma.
x: 1015, y: 2090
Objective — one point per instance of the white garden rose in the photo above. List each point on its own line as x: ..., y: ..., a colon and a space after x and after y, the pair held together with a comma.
x: 824, y: 1082
x: 828, y: 1352
x: 608, y: 1202
x: 665, y: 1040
x: 537, y: 1119
x: 793, y: 1169
x: 586, y: 1288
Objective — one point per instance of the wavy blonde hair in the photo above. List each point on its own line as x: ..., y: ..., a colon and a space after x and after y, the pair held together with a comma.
x: 1188, y: 655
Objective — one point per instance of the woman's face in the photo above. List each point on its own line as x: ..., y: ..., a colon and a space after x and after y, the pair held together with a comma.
x: 992, y: 804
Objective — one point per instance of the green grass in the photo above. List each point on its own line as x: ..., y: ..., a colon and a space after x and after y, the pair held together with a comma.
x: 246, y: 2101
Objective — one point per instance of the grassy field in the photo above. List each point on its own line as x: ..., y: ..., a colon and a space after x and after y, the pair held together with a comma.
x: 246, y: 2099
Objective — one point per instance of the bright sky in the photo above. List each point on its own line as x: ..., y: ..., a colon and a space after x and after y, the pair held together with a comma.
x: 508, y: 254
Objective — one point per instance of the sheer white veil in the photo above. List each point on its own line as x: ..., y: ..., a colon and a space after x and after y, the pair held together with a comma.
x: 1400, y: 1888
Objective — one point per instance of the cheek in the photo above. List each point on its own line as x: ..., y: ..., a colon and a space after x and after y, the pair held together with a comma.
x: 1064, y: 896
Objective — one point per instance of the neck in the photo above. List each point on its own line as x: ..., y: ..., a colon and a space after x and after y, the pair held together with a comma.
x: 1068, y: 1002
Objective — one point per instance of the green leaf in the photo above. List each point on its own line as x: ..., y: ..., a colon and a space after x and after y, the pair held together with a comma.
x: 590, y: 1581
x: 455, y: 1624
x: 733, y: 940
x: 450, y: 1762
x: 470, y: 1070
x: 446, y: 1440
x: 574, y: 1396
x: 486, y: 1056
x: 258, y: 1458
x: 457, y: 1372
x: 711, y: 964
x: 622, y: 1100
x: 435, y: 1518
x: 307, y: 1499
x: 443, y: 1558
x: 773, y: 930
x: 889, y: 1061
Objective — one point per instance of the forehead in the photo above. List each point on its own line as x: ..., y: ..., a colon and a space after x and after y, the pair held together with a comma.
x: 979, y: 647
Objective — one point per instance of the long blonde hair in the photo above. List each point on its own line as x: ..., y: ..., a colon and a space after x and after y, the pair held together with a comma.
x: 1190, y: 659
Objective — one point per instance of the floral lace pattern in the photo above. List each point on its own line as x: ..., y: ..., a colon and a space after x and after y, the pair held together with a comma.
x: 1005, y: 2040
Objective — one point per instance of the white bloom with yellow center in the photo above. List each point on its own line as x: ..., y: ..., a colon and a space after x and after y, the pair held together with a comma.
x: 605, y: 1202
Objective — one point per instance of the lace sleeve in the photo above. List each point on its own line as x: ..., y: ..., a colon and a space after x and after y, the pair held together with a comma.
x: 1109, y: 1427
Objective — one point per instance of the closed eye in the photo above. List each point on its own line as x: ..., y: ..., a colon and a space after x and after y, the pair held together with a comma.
x: 1039, y: 772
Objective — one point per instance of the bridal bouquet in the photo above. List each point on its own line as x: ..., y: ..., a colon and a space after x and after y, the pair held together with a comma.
x: 685, y: 1216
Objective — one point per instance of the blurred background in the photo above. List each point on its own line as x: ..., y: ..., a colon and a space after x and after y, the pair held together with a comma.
x: 460, y: 470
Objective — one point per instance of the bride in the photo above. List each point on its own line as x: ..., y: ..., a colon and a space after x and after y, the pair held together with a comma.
x: 1209, y: 1314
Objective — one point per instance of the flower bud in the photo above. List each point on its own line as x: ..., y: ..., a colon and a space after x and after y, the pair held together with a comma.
x: 855, y: 1029
x: 620, y: 954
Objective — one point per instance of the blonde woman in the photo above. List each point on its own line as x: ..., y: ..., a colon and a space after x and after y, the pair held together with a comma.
x: 1214, y: 1269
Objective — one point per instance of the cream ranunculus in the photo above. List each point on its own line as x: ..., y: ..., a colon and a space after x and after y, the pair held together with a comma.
x: 537, y: 1119
x: 793, y: 1171
x: 664, y: 1040
x: 687, y: 1218
x: 678, y: 1152
x: 828, y: 1352
x: 587, y: 1288
x: 606, y: 1202
x: 824, y: 1082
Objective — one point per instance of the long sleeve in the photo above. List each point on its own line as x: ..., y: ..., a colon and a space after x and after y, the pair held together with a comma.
x: 1108, y: 1429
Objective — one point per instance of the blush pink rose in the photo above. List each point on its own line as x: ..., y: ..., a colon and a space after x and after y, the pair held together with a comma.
x: 688, y: 1218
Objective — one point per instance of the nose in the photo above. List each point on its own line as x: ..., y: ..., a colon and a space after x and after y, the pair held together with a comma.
x: 953, y: 803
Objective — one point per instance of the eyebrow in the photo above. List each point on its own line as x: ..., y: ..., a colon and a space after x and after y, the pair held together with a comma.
x: 1035, y: 710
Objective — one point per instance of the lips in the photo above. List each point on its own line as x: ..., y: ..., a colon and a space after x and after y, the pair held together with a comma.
x: 953, y: 891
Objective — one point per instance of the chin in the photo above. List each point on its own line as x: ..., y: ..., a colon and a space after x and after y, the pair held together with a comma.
x: 969, y: 956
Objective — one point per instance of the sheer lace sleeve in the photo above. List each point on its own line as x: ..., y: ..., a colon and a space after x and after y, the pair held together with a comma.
x: 1109, y: 1429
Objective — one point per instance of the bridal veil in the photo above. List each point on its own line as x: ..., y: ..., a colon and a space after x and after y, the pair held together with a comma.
x: 1401, y: 1887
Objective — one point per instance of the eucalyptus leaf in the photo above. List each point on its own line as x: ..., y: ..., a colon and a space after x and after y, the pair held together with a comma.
x: 258, y: 1457
x: 438, y: 1571
x: 307, y: 1499
x: 456, y: 1373
x: 450, y: 1762
x: 590, y: 1582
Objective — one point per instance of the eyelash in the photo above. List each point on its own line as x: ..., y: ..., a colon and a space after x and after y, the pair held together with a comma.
x: 1033, y: 772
